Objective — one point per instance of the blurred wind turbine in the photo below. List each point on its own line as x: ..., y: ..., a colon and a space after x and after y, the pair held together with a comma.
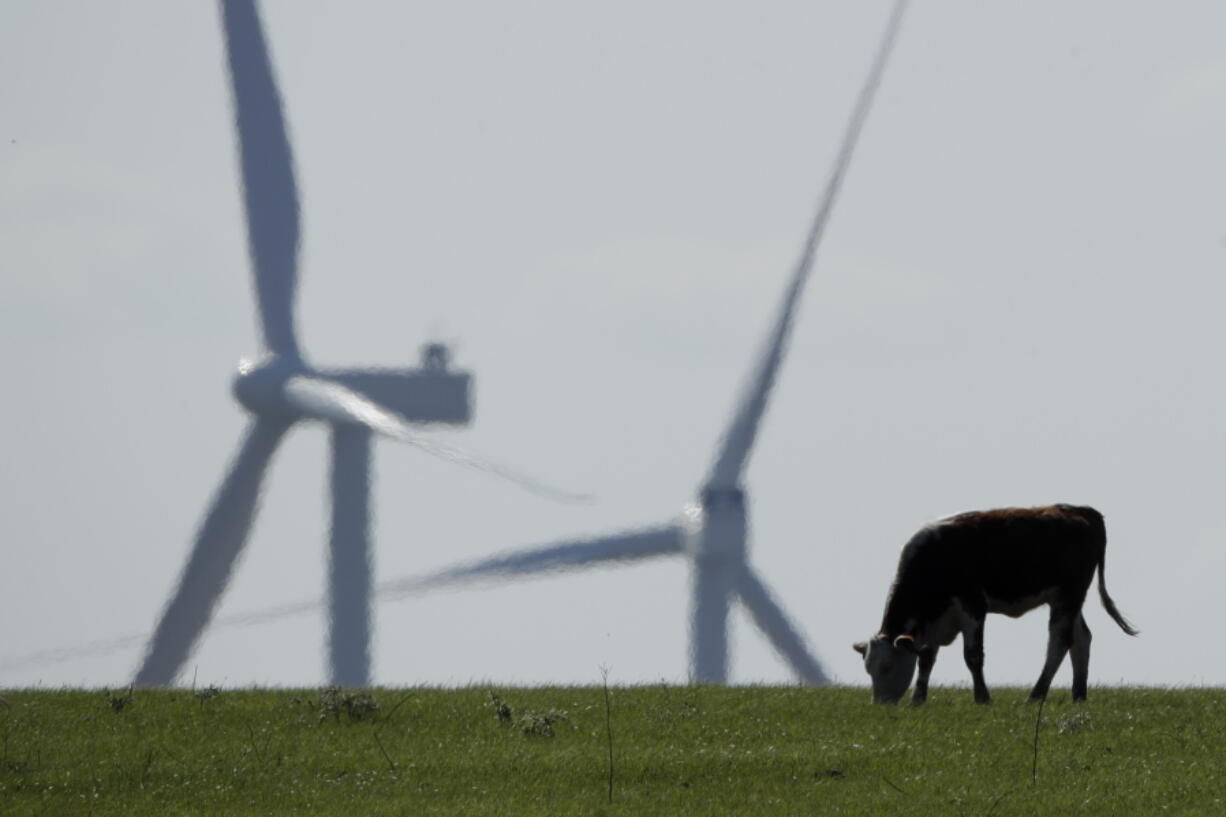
x: 283, y: 388
x: 713, y: 531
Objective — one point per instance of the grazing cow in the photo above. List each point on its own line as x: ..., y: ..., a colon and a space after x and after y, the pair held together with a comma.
x: 957, y: 570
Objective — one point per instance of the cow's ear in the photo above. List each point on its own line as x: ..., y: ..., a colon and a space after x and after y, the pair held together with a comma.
x: 860, y: 647
x: 906, y: 642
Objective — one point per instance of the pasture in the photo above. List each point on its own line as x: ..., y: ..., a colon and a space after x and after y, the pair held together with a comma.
x: 545, y: 751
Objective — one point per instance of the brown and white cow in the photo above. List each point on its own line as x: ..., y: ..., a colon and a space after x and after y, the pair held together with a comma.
x: 954, y: 572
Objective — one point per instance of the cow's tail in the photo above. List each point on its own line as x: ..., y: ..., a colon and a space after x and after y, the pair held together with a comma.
x: 1108, y: 602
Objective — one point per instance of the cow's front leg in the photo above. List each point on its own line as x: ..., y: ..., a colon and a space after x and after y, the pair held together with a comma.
x: 972, y: 651
x: 927, y: 658
x: 1059, y: 638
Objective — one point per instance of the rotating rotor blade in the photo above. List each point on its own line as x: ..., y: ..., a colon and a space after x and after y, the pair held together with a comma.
x: 628, y: 547
x: 218, y: 543
x: 770, y: 618
x: 625, y: 547
x: 328, y: 400
x: 738, y: 441
x: 270, y: 194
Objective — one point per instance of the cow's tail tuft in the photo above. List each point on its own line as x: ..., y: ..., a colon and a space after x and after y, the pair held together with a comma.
x: 1108, y: 602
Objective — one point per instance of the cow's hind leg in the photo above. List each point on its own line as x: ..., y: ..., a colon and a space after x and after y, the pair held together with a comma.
x: 1059, y: 639
x: 1079, y: 654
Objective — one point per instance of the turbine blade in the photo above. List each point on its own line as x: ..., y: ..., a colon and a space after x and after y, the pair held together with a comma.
x: 625, y: 547
x: 632, y: 546
x: 738, y: 440
x: 328, y: 400
x: 221, y: 537
x: 770, y: 618
x: 270, y: 194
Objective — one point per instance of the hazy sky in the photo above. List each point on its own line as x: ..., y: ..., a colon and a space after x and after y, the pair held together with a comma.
x: 1018, y: 302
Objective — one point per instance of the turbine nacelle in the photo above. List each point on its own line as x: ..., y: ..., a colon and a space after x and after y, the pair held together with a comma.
x: 285, y: 388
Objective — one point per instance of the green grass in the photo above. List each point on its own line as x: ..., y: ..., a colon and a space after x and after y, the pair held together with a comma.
x: 544, y: 751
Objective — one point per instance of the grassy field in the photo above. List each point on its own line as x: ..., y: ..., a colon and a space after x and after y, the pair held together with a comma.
x: 546, y: 751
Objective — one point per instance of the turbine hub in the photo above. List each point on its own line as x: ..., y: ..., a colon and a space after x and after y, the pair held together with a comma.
x: 259, y: 386
x: 719, y: 527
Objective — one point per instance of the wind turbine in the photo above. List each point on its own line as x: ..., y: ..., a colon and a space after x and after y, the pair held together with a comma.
x: 713, y: 530
x: 283, y: 389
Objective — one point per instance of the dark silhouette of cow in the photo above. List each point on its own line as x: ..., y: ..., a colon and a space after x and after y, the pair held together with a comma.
x: 954, y: 572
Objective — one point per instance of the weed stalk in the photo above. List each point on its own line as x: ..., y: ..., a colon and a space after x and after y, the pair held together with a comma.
x: 390, y: 763
x: 608, y: 724
x: 1034, y: 766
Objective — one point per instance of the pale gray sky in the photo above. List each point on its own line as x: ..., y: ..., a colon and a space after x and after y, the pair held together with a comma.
x: 1017, y: 302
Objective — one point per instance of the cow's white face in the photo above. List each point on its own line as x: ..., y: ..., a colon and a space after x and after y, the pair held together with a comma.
x: 891, y: 668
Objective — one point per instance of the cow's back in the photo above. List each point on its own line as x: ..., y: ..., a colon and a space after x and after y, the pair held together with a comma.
x: 1019, y: 554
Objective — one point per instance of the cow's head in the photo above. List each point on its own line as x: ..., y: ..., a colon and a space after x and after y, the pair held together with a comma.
x: 890, y: 662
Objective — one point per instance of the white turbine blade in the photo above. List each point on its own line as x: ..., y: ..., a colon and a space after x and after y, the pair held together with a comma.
x: 349, y: 562
x: 770, y: 618
x: 269, y: 191
x: 626, y: 547
x: 738, y: 440
x: 328, y: 400
x: 221, y: 537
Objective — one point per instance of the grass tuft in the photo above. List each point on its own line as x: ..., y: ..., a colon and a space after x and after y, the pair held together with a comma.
x: 354, y: 705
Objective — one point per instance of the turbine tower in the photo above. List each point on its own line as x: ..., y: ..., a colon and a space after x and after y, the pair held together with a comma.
x: 713, y: 531
x: 283, y: 389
